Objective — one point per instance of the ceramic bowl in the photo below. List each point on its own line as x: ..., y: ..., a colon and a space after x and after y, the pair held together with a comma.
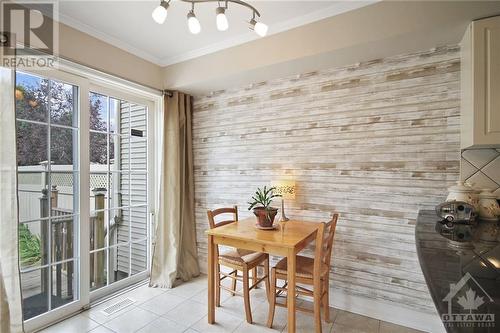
x: 462, y: 192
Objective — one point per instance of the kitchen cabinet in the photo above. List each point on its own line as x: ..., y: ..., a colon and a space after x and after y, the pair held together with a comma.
x: 480, y: 84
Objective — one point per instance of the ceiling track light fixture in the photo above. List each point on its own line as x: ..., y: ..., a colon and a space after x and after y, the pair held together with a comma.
x: 259, y: 27
x: 160, y: 15
x: 193, y: 23
x: 221, y: 19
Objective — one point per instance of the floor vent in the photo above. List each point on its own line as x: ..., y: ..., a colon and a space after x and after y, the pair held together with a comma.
x: 113, y: 308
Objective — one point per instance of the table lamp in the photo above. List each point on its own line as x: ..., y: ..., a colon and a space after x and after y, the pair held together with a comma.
x: 286, y: 188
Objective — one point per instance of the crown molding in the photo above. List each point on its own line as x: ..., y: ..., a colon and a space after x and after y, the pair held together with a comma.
x: 336, y: 9
x: 114, y: 41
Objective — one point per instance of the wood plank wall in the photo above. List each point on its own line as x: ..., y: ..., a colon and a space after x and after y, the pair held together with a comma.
x: 375, y: 141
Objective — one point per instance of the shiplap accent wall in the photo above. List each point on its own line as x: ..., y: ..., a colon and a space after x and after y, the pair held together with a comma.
x: 375, y: 141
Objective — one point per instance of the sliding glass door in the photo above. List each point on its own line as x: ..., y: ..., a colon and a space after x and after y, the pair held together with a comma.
x: 84, y: 194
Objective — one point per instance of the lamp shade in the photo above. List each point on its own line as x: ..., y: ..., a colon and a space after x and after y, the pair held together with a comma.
x: 286, y: 188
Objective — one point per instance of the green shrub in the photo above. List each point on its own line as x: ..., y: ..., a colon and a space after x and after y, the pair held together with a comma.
x: 29, y: 246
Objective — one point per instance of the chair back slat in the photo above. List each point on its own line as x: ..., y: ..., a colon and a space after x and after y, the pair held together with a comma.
x: 324, y: 245
x: 318, y: 251
x: 329, y: 235
x: 213, y: 213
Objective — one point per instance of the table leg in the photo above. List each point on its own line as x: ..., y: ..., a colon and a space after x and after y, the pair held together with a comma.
x: 211, y: 280
x: 291, y: 258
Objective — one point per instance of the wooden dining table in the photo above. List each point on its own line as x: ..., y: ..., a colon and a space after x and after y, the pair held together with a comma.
x: 286, y: 240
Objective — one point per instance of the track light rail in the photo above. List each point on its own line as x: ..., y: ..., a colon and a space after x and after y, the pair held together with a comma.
x: 242, y: 3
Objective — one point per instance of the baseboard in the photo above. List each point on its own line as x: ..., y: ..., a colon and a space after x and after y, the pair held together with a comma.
x: 386, y: 311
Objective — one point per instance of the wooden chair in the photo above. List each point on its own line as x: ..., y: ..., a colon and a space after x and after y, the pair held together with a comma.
x: 310, y: 271
x: 238, y: 260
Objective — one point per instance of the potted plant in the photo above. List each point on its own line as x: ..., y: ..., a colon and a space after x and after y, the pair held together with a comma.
x: 261, y: 205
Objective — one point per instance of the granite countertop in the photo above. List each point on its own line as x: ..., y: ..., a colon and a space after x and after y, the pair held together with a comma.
x: 475, y: 273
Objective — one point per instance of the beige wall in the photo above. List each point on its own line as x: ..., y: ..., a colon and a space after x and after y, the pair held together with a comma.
x: 375, y: 141
x: 87, y: 50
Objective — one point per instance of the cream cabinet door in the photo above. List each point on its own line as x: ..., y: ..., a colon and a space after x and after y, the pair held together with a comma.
x: 481, y: 83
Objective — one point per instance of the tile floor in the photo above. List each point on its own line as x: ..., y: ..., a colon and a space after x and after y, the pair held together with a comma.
x: 184, y: 309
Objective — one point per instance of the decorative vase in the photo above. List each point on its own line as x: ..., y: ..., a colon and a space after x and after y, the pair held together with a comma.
x: 265, y: 216
x: 462, y: 192
x: 488, y: 207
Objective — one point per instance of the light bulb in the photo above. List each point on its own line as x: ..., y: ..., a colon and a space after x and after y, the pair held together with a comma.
x: 160, y: 13
x: 193, y: 23
x: 222, y: 23
x: 259, y: 27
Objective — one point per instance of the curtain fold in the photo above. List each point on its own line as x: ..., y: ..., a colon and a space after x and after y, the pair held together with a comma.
x: 174, y: 252
x: 11, y: 319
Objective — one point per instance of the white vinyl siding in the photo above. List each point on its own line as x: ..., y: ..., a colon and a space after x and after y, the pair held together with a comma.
x: 133, y: 161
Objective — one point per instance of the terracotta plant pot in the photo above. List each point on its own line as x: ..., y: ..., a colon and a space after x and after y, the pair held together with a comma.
x: 265, y: 217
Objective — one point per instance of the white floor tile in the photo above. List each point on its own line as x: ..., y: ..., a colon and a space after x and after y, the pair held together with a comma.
x: 96, y: 314
x: 101, y: 329
x: 163, y: 303
x: 163, y: 325
x: 304, y: 323
x: 131, y: 321
x: 187, y: 313
x: 259, y: 294
x: 144, y: 293
x: 225, y: 323
x: 236, y: 305
x: 259, y: 324
x: 191, y: 288
x: 310, y: 305
x: 202, y: 297
x: 76, y: 324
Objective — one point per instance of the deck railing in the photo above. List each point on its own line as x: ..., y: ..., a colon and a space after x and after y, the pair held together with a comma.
x: 62, y: 242
x: 60, y: 246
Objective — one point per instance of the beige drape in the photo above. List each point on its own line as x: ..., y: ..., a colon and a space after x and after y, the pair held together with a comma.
x: 174, y: 252
x: 10, y: 292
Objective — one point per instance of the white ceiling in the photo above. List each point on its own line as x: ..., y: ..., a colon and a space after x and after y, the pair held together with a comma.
x: 128, y: 24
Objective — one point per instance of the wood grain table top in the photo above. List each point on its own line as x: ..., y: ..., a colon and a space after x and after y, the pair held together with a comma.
x: 289, y: 234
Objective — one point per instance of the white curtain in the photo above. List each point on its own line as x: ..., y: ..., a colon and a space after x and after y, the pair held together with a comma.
x: 174, y: 252
x: 10, y: 292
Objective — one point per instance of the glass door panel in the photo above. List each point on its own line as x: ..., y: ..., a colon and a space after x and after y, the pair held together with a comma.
x: 118, y: 189
x: 48, y: 171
